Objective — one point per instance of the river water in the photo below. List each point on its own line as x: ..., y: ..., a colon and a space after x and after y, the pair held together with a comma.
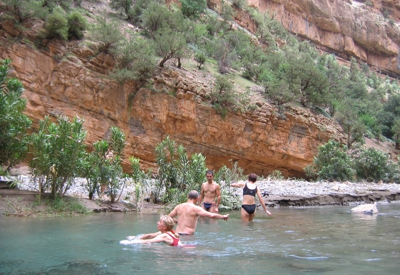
x: 316, y: 240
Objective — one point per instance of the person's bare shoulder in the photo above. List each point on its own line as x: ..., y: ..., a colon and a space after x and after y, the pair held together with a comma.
x: 196, y: 209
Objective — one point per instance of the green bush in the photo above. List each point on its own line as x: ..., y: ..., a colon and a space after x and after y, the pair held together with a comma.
x: 370, y: 164
x: 102, y: 166
x: 192, y: 8
x: 224, y: 177
x: 106, y: 32
x: 200, y: 58
x: 13, y: 123
x: 333, y: 163
x: 276, y: 175
x: 52, y: 5
x: 311, y: 172
x: 123, y: 5
x: 222, y: 96
x: 178, y: 173
x: 58, y: 150
x: 141, y: 180
x: 239, y: 3
x: 22, y: 10
x: 56, y: 26
x: 136, y: 59
x: 77, y: 24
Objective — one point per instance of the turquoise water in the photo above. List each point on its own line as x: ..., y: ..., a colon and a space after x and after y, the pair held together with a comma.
x: 319, y: 240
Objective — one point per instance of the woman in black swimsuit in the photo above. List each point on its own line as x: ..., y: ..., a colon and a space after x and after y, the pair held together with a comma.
x: 249, y: 198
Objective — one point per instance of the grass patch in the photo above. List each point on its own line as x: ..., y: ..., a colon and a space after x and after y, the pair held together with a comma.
x: 66, y: 206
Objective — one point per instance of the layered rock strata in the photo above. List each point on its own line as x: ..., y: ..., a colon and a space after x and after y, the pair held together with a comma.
x: 366, y: 30
x: 70, y: 79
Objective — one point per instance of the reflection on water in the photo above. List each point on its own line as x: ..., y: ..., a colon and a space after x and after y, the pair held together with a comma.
x: 328, y: 240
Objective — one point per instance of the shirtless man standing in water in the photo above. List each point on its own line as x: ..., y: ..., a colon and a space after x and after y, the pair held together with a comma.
x: 210, y: 194
x: 188, y: 213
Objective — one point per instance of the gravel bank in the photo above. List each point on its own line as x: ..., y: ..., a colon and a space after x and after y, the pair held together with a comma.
x: 279, y: 192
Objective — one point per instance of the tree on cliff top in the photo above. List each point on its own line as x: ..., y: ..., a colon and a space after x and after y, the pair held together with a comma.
x: 107, y: 33
x: 13, y: 123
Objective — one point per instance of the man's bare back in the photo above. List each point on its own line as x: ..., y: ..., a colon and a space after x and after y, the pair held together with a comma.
x: 188, y: 214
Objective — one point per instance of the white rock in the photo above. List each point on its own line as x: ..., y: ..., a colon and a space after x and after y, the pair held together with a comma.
x: 365, y: 209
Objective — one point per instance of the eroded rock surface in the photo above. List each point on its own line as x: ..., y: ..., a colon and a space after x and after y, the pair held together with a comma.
x: 68, y: 79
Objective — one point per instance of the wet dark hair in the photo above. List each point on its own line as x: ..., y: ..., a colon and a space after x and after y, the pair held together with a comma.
x: 252, y: 177
x: 193, y: 195
x: 210, y: 172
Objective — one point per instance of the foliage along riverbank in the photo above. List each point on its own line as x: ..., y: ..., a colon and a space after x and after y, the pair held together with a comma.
x: 25, y: 201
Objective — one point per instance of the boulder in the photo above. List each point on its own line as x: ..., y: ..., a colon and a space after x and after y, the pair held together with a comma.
x: 365, y: 209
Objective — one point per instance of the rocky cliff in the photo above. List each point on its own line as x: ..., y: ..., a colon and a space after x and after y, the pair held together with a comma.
x: 367, y: 30
x: 70, y: 79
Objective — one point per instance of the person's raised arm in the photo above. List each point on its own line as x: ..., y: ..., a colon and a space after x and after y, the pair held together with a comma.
x: 237, y: 184
x: 262, y: 202
x: 203, y: 213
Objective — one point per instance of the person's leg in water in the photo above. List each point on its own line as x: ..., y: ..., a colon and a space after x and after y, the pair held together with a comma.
x: 246, y: 217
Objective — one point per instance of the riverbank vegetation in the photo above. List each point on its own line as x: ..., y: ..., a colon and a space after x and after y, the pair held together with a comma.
x: 289, y: 71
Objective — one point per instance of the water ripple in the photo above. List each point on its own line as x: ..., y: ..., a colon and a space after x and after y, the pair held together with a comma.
x: 309, y: 258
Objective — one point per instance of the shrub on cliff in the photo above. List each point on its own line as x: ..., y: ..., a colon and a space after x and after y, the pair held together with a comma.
x: 241, y: 4
x: 56, y: 26
x: 77, y: 24
x: 222, y: 96
x: 53, y: 4
x: 21, y: 10
x: 192, y: 8
x: 136, y: 59
x: 13, y: 123
x: 106, y: 32
x: 200, y: 58
x: 125, y: 6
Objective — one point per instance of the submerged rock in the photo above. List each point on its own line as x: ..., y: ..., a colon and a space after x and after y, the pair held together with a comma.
x: 365, y: 209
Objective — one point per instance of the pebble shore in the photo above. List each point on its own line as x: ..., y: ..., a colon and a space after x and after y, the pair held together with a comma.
x: 281, y: 188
